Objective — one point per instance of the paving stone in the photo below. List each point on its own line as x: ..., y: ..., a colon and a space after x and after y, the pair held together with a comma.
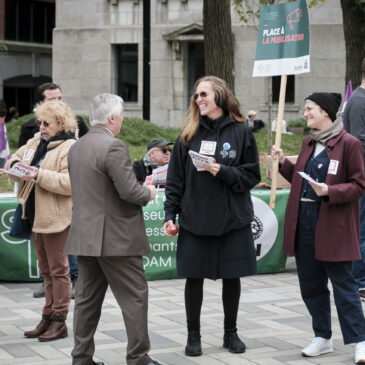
x: 272, y: 321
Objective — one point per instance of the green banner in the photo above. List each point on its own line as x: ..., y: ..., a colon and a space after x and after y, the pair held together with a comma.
x: 267, y: 229
x: 18, y: 261
x: 283, y: 40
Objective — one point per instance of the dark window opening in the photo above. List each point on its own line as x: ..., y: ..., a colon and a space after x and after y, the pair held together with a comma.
x: 20, y: 97
x: 290, y: 89
x: 196, y: 65
x: 29, y: 21
x: 127, y: 72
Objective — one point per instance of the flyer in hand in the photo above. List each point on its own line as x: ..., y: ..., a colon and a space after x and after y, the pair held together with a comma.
x: 307, y: 177
x: 159, y: 175
x: 19, y: 169
x: 200, y: 160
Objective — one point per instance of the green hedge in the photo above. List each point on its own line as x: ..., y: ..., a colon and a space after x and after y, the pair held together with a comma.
x: 134, y: 132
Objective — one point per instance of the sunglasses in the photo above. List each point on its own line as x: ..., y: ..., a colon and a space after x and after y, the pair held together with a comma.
x: 203, y: 94
x: 40, y: 122
x: 165, y: 150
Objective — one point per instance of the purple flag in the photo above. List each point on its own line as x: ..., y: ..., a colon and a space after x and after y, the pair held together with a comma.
x: 347, y: 95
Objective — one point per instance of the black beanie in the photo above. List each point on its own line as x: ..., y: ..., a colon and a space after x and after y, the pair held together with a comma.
x: 330, y: 102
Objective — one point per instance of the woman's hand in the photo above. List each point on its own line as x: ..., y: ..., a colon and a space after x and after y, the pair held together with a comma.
x: 321, y: 190
x: 214, y: 169
x: 29, y: 177
x: 168, y: 223
x: 277, y: 153
x: 2, y: 172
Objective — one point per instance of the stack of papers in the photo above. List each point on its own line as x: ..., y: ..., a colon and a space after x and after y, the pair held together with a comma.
x: 19, y: 169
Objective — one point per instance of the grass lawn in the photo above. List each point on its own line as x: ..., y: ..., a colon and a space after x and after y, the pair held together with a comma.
x: 137, y: 132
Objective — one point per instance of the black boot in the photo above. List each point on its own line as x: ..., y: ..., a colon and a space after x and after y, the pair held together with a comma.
x: 73, y: 286
x: 193, y: 346
x: 232, y: 342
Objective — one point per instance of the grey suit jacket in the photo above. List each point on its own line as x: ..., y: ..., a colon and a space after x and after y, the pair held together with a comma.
x: 107, y: 217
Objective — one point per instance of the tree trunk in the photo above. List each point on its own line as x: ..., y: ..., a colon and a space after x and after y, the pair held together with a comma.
x: 354, y: 31
x: 218, y: 40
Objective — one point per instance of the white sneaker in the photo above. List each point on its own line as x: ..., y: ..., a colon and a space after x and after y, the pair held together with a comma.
x: 360, y: 353
x: 318, y: 346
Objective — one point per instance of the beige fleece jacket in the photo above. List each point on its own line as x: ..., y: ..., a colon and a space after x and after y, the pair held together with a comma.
x: 53, y: 202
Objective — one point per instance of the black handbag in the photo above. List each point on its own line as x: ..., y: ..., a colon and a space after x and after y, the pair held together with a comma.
x: 20, y: 228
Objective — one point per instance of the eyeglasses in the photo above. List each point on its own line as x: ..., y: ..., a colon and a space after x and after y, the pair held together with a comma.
x: 165, y: 150
x: 308, y: 110
x: 203, y: 94
x: 40, y: 122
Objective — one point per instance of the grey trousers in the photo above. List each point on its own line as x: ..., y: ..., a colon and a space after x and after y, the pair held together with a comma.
x: 126, y: 278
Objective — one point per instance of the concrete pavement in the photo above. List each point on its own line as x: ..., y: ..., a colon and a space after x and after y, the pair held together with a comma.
x: 272, y: 321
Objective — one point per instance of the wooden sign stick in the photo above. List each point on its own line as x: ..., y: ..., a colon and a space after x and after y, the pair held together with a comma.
x: 275, y: 163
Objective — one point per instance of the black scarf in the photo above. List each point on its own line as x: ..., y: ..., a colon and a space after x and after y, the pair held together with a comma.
x: 38, y: 157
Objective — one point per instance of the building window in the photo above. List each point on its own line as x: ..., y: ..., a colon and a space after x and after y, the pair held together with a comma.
x: 29, y: 20
x: 127, y: 72
x: 290, y: 89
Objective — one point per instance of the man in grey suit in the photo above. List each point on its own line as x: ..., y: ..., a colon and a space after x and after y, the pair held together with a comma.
x: 107, y: 233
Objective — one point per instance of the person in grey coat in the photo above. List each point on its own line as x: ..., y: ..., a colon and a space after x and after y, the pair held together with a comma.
x: 107, y: 233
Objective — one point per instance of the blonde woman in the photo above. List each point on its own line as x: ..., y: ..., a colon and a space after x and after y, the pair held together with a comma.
x: 48, y: 208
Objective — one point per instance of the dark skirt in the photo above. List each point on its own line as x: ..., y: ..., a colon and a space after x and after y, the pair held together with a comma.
x: 231, y: 255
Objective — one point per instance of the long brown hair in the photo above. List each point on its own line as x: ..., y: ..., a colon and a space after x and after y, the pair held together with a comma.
x: 229, y: 102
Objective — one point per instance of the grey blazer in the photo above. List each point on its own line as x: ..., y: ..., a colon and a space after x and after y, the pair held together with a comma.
x: 107, y: 217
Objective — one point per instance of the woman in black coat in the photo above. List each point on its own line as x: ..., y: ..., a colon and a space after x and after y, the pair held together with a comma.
x: 214, y: 205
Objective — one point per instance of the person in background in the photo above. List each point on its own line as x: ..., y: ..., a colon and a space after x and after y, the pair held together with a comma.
x: 321, y: 225
x: 52, y: 92
x: 354, y: 123
x: 253, y: 123
x: 13, y: 115
x: 48, y: 207
x: 214, y: 206
x: 47, y: 92
x: 4, y: 144
x: 158, y: 154
x: 283, y: 125
x: 107, y: 214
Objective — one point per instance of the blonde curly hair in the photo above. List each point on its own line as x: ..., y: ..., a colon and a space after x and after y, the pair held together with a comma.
x: 65, y: 119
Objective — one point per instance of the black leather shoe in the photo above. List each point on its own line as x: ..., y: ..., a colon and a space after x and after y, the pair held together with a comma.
x: 98, y: 363
x: 193, y: 347
x: 39, y: 293
x: 232, y: 342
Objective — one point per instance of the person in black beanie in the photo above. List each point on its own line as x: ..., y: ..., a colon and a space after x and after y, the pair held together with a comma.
x: 322, y: 222
x: 329, y: 102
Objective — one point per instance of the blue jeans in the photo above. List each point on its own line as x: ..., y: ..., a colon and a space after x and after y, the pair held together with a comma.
x: 74, y: 267
x: 313, y: 280
x: 358, y: 267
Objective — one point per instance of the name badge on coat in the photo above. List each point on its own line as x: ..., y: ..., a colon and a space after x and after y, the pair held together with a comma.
x: 208, y: 148
x: 333, y: 167
x: 28, y: 155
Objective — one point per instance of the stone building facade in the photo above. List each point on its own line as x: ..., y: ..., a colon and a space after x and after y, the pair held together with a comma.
x: 98, y: 46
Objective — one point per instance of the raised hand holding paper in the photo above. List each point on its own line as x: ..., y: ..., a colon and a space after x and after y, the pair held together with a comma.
x: 200, y: 160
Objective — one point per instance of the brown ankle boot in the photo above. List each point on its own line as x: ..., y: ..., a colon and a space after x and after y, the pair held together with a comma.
x: 56, y: 330
x: 42, y: 327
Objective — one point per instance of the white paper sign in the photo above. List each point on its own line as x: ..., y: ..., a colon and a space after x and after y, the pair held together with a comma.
x: 19, y: 169
x: 159, y: 175
x: 200, y: 160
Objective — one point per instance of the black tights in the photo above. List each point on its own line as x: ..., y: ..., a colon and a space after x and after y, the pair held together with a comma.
x: 231, y: 292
